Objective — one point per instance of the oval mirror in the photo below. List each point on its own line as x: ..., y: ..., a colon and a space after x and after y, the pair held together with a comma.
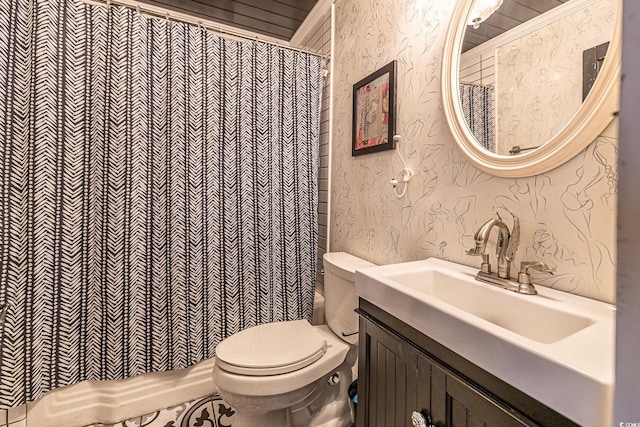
x: 528, y: 84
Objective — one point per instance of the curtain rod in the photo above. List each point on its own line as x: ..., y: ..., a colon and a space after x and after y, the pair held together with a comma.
x: 224, y: 31
x: 490, y: 85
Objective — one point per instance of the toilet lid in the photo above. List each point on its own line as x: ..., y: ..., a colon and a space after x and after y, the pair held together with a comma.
x: 271, y: 349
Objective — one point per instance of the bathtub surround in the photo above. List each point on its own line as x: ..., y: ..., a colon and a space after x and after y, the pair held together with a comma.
x: 209, y: 411
x: 108, y: 402
x: 158, y: 192
x: 567, y: 215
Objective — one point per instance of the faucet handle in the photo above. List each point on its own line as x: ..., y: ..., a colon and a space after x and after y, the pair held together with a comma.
x: 474, y: 251
x: 536, y: 265
x: 524, y: 278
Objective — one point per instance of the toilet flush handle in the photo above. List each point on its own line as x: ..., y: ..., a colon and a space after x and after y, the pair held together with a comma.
x: 349, y: 334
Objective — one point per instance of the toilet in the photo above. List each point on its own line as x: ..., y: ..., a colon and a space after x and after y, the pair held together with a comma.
x: 292, y: 374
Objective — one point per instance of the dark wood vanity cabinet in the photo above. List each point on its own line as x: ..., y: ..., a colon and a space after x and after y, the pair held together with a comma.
x: 459, y: 403
x: 401, y: 371
x: 397, y: 379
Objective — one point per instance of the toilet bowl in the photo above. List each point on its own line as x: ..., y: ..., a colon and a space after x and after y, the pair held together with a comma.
x: 291, y: 374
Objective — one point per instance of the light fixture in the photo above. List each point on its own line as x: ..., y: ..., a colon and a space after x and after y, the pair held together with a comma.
x: 481, y: 10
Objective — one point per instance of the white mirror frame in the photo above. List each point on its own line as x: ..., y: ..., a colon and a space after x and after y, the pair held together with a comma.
x: 595, y: 113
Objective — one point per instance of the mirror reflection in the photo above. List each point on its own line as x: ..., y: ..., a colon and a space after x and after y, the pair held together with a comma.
x: 527, y: 65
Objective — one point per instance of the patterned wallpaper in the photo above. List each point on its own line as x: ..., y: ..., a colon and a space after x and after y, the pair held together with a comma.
x: 567, y: 215
x: 534, y: 69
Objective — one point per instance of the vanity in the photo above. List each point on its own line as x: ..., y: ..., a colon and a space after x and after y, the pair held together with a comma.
x: 460, y: 352
x: 406, y: 371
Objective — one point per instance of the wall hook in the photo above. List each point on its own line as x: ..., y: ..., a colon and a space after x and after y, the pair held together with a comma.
x: 405, y: 175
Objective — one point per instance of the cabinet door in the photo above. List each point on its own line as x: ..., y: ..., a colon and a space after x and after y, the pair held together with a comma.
x: 394, y: 379
x: 456, y: 403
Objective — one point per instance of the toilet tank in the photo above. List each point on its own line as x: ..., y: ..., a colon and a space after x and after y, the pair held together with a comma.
x: 340, y: 293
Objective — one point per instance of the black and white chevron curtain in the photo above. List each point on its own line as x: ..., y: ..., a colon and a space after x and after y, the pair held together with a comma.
x: 477, y: 107
x: 158, y: 192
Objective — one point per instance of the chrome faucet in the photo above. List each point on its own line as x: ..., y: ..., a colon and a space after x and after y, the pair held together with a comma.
x: 506, y: 245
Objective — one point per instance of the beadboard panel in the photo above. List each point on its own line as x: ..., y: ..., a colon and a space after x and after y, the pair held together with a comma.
x: 319, y: 40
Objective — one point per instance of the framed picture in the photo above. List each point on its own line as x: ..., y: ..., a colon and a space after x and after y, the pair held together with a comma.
x: 374, y: 112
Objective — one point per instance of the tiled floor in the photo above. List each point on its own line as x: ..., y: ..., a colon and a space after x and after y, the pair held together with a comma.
x: 210, y: 411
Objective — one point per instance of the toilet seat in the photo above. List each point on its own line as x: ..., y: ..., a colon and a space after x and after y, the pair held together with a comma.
x: 253, y: 385
x: 271, y: 349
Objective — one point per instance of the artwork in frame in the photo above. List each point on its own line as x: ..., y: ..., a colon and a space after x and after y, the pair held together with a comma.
x: 374, y: 115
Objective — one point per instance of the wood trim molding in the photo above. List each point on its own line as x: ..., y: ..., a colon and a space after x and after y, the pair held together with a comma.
x: 316, y: 15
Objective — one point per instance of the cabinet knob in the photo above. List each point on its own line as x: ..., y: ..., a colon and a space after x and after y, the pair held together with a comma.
x: 419, y: 420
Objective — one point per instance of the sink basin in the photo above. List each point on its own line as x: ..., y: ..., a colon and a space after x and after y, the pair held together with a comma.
x: 524, y: 316
x: 556, y: 347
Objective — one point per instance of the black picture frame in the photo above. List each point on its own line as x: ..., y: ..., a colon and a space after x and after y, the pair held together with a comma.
x: 374, y: 112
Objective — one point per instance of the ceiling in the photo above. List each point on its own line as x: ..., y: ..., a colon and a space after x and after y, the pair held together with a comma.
x: 274, y: 18
x: 281, y: 18
x: 511, y: 14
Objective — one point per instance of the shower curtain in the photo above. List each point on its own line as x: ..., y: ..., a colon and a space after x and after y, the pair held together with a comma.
x: 478, y: 110
x: 158, y: 192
